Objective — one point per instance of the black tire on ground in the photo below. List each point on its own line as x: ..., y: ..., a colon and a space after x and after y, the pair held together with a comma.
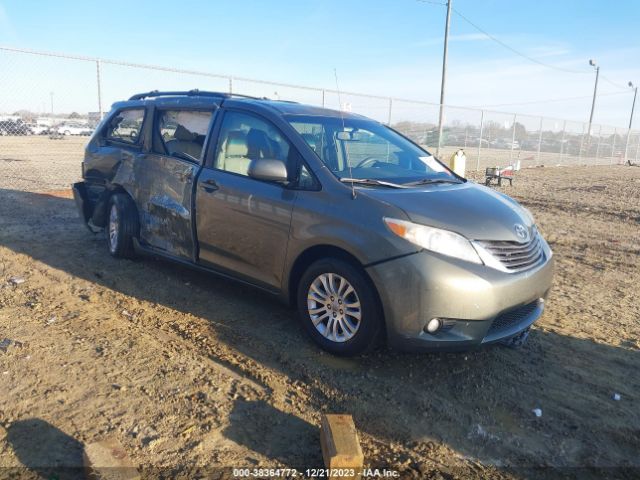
x: 120, y: 243
x: 369, y: 332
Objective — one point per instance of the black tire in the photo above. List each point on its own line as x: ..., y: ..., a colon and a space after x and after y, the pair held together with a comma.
x: 120, y: 242
x: 368, y: 332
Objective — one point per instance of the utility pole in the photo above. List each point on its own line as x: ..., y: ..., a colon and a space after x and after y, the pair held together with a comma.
x: 51, y: 93
x: 444, y: 76
x: 633, y: 106
x: 593, y: 103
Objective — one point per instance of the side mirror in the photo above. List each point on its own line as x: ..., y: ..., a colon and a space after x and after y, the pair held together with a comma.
x: 268, y: 169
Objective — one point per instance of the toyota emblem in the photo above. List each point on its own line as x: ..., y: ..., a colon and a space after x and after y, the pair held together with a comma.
x: 521, y: 231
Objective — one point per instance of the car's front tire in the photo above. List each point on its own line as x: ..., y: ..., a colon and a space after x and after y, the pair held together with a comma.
x: 338, y: 307
x: 122, y: 226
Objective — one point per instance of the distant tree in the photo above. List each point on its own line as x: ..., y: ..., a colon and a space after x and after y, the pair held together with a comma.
x: 26, y: 115
x: 74, y: 115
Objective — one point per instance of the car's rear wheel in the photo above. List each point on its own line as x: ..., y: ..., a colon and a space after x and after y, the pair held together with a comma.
x: 338, y: 307
x: 122, y: 226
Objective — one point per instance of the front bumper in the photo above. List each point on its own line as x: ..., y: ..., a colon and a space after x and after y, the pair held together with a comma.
x: 480, y: 305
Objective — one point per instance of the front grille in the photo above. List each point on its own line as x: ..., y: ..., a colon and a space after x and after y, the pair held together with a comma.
x: 506, y: 320
x: 515, y: 256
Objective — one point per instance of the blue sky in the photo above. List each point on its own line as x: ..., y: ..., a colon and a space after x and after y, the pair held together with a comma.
x: 380, y: 47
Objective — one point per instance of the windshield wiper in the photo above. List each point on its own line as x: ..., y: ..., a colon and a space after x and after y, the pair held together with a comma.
x: 371, y: 181
x: 428, y: 181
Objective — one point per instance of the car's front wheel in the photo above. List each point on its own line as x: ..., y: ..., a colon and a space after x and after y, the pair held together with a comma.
x: 338, y: 307
x: 122, y: 226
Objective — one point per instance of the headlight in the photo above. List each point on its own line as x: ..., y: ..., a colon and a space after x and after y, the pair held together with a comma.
x: 434, y: 239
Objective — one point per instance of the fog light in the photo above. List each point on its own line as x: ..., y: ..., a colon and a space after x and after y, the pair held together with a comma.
x: 434, y: 325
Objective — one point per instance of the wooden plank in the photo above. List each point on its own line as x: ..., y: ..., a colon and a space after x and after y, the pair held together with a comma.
x: 108, y: 460
x: 340, y: 445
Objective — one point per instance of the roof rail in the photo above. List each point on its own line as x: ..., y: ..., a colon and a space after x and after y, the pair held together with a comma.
x: 190, y: 93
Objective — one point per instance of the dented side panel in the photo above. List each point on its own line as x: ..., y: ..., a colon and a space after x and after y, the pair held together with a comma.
x: 162, y: 187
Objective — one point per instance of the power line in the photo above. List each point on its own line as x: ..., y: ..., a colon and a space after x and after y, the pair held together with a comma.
x: 517, y: 52
x: 614, y: 83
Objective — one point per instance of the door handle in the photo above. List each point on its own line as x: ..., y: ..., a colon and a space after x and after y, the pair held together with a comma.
x: 209, y: 185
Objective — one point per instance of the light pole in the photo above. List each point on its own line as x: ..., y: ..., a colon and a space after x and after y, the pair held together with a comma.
x: 633, y: 106
x: 595, y: 91
x: 444, y: 76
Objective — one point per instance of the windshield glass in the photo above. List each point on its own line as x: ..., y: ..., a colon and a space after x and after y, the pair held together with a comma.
x: 364, y: 149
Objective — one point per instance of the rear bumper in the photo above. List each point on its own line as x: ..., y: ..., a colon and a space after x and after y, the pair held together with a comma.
x: 479, y: 305
x: 82, y: 200
x: 84, y: 205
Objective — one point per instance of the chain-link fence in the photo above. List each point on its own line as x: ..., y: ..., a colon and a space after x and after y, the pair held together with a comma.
x: 50, y: 103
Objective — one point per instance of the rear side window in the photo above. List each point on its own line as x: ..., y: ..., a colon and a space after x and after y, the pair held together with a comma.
x: 125, y: 126
x: 182, y: 132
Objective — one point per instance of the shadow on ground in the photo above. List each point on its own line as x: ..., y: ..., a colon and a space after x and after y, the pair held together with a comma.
x: 44, y: 450
x: 479, y: 403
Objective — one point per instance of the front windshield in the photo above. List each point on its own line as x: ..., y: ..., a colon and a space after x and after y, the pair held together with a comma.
x: 364, y: 149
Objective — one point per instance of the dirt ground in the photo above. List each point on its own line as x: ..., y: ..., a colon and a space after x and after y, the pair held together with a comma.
x: 192, y: 373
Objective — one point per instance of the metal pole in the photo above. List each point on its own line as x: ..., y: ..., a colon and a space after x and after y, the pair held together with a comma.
x: 613, y: 144
x: 593, y: 103
x: 230, y: 84
x: 633, y: 106
x: 98, y: 76
x: 323, y: 97
x: 444, y: 76
x: 513, y: 138
x: 390, y: 108
x: 540, y: 140
x: 51, y: 93
x: 480, y: 139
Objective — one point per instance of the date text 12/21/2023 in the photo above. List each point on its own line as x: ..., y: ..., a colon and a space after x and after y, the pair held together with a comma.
x: 314, y: 473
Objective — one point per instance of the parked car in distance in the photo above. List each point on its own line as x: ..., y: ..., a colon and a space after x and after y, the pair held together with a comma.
x: 14, y: 127
x: 39, y: 128
x: 366, y: 233
x: 74, y: 129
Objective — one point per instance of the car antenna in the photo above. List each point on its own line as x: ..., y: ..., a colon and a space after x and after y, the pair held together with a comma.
x: 353, y: 190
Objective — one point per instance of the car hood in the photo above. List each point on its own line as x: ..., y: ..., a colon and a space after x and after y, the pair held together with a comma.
x: 472, y: 210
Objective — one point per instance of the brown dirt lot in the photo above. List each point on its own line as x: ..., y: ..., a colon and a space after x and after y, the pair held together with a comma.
x: 189, y: 371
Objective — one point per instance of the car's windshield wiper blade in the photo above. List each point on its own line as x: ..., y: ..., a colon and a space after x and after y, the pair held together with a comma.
x: 371, y: 181
x: 428, y: 181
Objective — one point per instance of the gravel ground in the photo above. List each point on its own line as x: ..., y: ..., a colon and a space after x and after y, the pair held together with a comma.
x: 192, y: 372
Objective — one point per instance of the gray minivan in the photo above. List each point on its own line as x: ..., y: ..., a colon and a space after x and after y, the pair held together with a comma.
x: 366, y: 233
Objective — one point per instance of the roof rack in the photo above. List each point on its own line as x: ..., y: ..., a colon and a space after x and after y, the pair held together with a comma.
x: 189, y: 93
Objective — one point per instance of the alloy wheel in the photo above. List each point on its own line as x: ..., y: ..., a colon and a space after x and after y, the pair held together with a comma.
x: 334, y: 307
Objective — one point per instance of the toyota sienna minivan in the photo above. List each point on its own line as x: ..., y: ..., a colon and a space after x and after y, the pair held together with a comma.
x: 365, y: 232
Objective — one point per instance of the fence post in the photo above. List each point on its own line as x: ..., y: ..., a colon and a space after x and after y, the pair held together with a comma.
x: 540, y: 140
x: 230, y: 84
x: 626, y: 147
x: 613, y: 144
x: 598, y: 146
x: 390, y: 108
x: 480, y: 140
x: 99, y: 80
x: 564, y: 128
x: 513, y: 138
x: 637, y: 146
